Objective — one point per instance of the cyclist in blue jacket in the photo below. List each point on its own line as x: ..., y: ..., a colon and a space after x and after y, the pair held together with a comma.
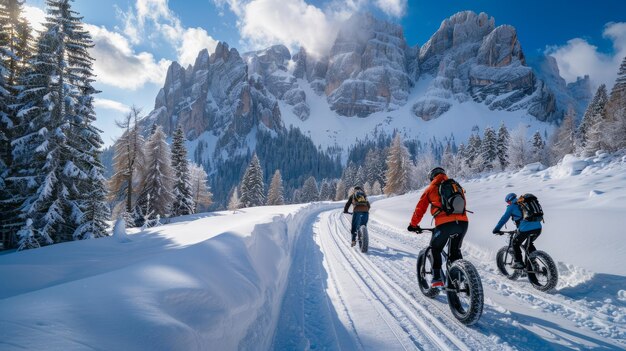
x: 526, y: 230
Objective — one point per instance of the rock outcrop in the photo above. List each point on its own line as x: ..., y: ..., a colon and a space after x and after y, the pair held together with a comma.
x: 471, y: 58
x: 216, y: 94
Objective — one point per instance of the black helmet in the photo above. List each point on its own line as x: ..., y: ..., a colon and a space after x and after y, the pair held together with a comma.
x: 358, y: 188
x: 435, y: 172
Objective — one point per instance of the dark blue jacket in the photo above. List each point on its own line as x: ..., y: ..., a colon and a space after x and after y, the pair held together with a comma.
x: 515, y: 213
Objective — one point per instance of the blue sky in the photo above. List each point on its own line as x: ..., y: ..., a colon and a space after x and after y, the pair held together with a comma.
x: 136, y: 40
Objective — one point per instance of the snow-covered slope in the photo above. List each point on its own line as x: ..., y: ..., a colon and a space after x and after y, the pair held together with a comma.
x: 286, y: 278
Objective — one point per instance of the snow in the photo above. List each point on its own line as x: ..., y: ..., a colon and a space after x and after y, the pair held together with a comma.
x: 285, y: 277
x: 323, y: 124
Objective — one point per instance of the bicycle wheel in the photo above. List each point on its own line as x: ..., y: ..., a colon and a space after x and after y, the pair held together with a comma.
x: 504, y: 261
x: 465, y: 292
x: 543, y: 274
x: 363, y: 238
x: 425, y: 273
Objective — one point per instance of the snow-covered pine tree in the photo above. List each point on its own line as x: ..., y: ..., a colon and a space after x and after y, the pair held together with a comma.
x: 489, y: 148
x: 157, y: 180
x: 49, y: 177
x: 340, y: 192
x: 587, y: 142
x: 276, y: 192
x: 473, y: 149
x: 310, y: 191
x: 202, y: 196
x: 616, y: 111
x: 367, y: 187
x: 349, y: 175
x: 84, y: 138
x: 252, y: 187
x: 361, y: 176
x: 562, y: 141
x: 537, y: 149
x: 326, y: 192
x: 519, y: 149
x: 423, y: 165
x: 502, y: 146
x: 375, y: 166
x: 376, y: 188
x: 183, y: 195
x: 234, y: 203
x: 398, y: 167
x: 127, y: 161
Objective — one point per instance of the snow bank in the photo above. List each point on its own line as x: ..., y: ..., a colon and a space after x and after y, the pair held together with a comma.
x: 203, y: 282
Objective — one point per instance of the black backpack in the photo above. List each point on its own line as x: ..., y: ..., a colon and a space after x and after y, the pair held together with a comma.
x: 452, y: 197
x: 359, y: 198
x: 530, y: 207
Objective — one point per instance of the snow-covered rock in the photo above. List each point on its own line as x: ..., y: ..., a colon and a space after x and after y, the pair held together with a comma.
x: 472, y: 58
x: 367, y: 70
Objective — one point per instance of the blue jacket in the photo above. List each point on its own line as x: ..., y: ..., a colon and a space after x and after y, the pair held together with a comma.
x: 515, y: 213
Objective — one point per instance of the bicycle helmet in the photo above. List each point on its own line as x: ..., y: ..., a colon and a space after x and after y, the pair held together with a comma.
x: 358, y: 188
x: 510, y: 197
x: 435, y: 172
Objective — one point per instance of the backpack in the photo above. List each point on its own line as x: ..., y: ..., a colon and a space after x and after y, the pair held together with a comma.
x: 359, y: 198
x: 530, y: 207
x: 452, y: 197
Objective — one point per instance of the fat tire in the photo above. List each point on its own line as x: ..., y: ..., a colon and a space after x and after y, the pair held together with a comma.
x: 422, y: 282
x: 364, y: 239
x: 552, y: 272
x: 475, y: 308
x: 505, y: 269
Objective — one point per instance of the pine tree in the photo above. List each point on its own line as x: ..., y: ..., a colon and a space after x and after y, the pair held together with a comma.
x: 589, y: 135
x: 518, y: 150
x: 310, y: 192
x: 361, y: 176
x: 502, y: 146
x: 423, y: 165
x: 252, y: 187
x: 276, y: 192
x: 129, y: 155
x: 157, y: 180
x: 234, y: 203
x: 183, y: 195
x: 202, y: 196
x: 326, y: 191
x: 375, y: 166
x: 616, y: 111
x: 562, y: 141
x: 398, y: 168
x: 376, y: 188
x: 537, y: 151
x: 489, y: 148
x: 473, y: 149
x: 340, y: 192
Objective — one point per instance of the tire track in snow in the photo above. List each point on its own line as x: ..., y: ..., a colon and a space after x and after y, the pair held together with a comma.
x: 498, y: 287
x: 444, y: 333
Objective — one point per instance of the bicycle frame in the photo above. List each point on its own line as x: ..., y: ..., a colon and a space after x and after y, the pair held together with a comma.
x: 446, y: 255
x: 524, y: 247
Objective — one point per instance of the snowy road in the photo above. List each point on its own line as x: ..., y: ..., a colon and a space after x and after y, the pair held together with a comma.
x: 338, y: 298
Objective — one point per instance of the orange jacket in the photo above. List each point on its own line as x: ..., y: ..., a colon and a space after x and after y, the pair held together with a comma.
x: 431, y: 197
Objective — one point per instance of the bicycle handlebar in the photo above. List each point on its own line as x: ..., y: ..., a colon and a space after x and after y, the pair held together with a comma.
x: 510, y: 232
x: 424, y: 230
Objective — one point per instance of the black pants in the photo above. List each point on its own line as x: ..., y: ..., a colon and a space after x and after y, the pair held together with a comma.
x: 519, y: 239
x: 358, y: 219
x: 440, y: 237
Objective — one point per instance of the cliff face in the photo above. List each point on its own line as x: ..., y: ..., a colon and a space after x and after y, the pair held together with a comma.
x: 216, y: 95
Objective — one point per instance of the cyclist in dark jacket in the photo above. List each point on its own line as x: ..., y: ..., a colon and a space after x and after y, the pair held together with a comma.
x: 526, y: 229
x: 360, y: 211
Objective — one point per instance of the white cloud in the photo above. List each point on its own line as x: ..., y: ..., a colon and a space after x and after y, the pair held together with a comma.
x: 578, y: 57
x: 194, y: 40
x: 35, y: 16
x: 111, y: 105
x: 396, y: 8
x: 291, y: 22
x: 118, y: 65
x: 154, y: 19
